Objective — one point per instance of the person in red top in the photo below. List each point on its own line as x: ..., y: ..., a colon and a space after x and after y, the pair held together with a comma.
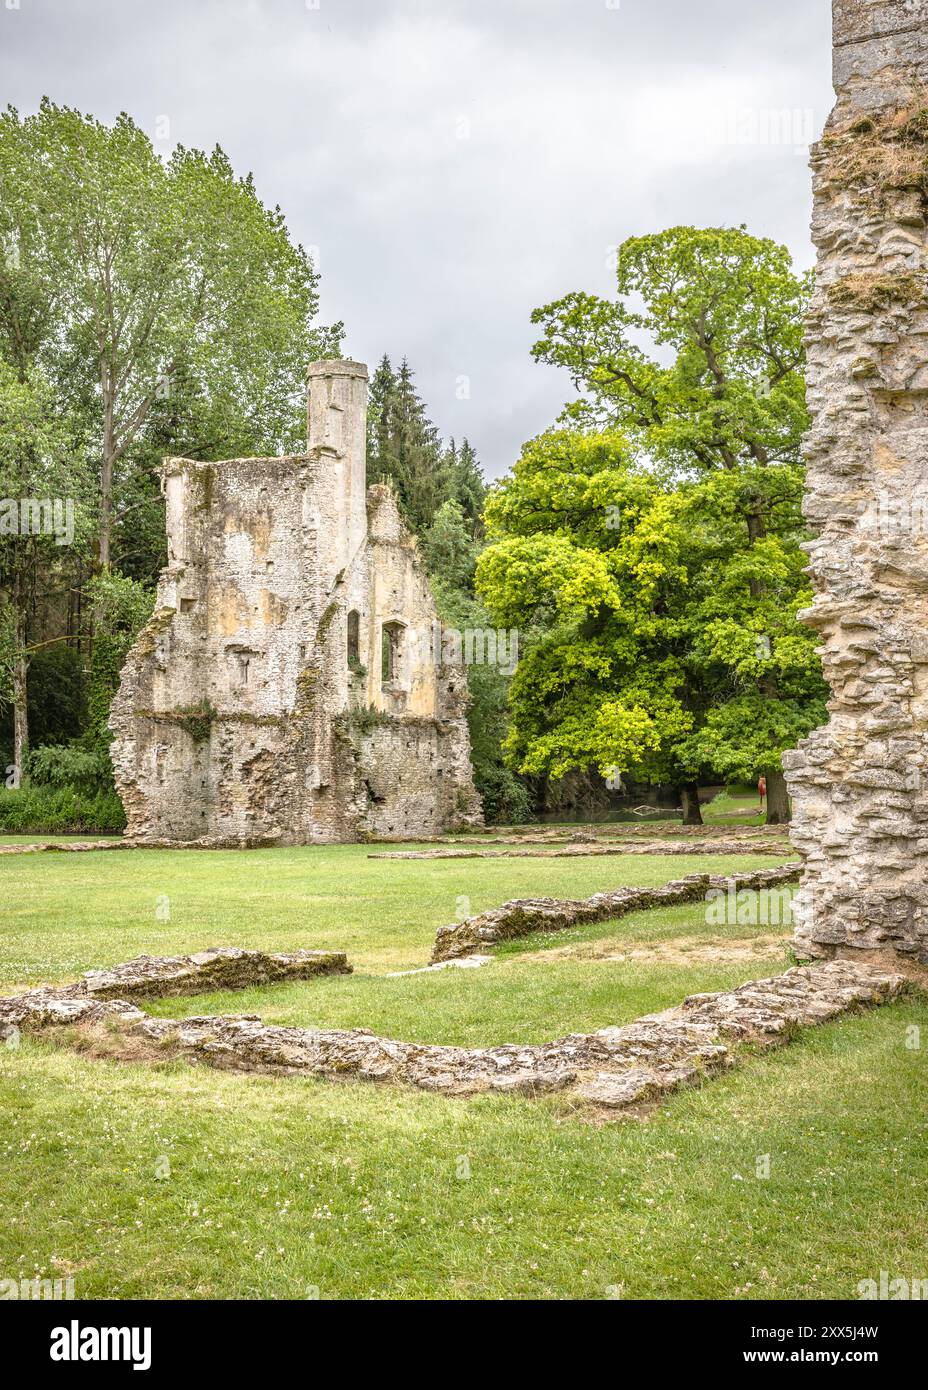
x: 762, y: 788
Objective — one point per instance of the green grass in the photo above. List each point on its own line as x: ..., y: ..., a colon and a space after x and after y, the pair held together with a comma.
x: 741, y: 800
x: 278, y: 1187
x: 69, y: 912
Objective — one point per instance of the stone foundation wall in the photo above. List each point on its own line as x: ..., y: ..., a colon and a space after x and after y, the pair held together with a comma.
x: 860, y: 786
x: 632, y: 1065
x: 523, y: 916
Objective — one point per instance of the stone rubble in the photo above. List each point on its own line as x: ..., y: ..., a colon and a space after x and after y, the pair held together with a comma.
x: 523, y: 916
x: 221, y: 967
x: 465, y: 963
x: 609, y: 834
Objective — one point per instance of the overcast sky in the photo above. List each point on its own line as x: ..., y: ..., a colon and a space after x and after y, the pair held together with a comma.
x: 454, y: 163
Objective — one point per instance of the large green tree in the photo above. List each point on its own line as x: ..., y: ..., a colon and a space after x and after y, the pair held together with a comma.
x: 589, y: 558
x: 152, y: 281
x: 698, y: 361
x: 44, y: 491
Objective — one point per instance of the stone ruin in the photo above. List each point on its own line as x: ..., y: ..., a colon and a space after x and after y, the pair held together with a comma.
x: 289, y: 687
x: 634, y: 1065
x: 860, y: 785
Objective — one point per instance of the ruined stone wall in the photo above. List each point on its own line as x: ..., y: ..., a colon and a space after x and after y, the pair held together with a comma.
x: 240, y: 716
x: 860, y: 786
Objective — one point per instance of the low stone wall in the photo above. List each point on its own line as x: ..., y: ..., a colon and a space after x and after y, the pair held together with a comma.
x: 128, y: 842
x: 523, y: 916
x: 615, y: 1068
x: 222, y: 967
x: 587, y: 850
x: 153, y: 977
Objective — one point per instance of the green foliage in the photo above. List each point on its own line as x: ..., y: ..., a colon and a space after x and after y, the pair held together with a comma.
x: 699, y: 358
x: 506, y: 798
x: 57, y: 695
x: 165, y: 304
x: 7, y: 652
x: 651, y: 549
x: 404, y: 448
x: 60, y: 810
x: 449, y: 548
x: 121, y: 608
x: 85, y: 770
x: 38, y: 459
x: 587, y: 558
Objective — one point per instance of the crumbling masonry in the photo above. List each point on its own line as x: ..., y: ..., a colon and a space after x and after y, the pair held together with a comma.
x: 860, y: 785
x: 287, y: 688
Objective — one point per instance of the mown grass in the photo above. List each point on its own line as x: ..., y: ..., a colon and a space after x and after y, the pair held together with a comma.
x: 172, y: 1181
x: 280, y: 1188
x: 64, y: 913
x: 736, y: 806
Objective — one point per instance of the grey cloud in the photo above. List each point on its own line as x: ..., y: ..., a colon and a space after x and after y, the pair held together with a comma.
x: 457, y: 164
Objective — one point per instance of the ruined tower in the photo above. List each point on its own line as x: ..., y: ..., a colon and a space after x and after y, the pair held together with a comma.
x: 288, y: 688
x: 860, y: 785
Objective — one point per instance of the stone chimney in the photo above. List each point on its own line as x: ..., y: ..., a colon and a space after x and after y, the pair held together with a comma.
x: 337, y: 434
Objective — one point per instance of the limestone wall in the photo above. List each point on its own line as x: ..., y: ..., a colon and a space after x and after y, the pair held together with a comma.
x: 860, y: 786
x: 240, y: 716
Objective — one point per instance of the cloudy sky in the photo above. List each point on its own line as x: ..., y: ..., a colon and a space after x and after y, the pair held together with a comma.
x: 454, y: 163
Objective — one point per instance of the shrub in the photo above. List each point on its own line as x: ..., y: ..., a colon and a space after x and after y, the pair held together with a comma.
x: 506, y: 798
x: 86, y: 770
x: 48, y: 810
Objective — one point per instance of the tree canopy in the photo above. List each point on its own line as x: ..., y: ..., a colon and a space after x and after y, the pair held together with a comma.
x: 652, y: 544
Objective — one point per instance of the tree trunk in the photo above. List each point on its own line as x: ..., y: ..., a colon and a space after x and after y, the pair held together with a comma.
x: 106, y: 511
x: 778, y: 812
x: 107, y: 468
x: 689, y: 800
x: 20, y: 684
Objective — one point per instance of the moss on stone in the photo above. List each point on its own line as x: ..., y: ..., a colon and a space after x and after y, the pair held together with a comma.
x: 876, y: 154
x: 869, y: 293
x: 196, y: 719
x: 360, y: 722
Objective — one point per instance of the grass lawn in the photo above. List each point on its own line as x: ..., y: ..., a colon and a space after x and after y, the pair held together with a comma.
x: 737, y: 806
x: 64, y: 913
x: 172, y: 1181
